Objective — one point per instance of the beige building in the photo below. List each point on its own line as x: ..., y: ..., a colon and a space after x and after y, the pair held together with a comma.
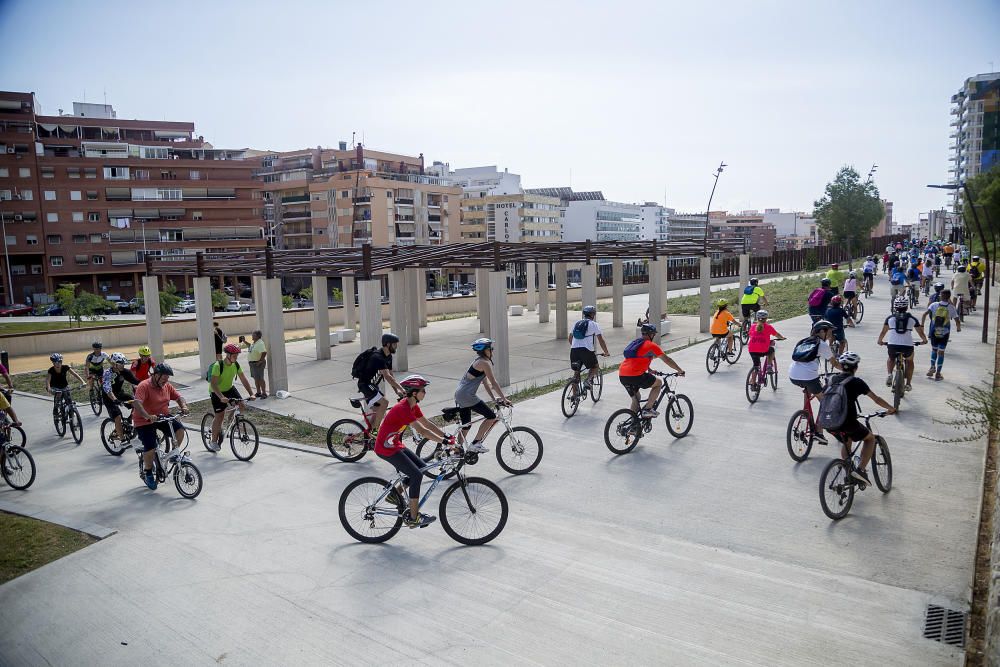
x: 513, y: 218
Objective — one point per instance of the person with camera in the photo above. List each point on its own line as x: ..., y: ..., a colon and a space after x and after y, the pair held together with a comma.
x: 257, y: 356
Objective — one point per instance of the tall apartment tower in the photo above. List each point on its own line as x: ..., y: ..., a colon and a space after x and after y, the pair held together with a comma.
x: 975, y: 128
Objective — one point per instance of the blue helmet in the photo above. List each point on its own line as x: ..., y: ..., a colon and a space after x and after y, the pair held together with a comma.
x: 481, y: 344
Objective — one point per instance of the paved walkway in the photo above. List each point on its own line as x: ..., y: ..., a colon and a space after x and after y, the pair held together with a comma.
x: 708, y: 550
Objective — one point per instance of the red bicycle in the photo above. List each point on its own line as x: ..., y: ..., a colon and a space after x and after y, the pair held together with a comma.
x: 348, y: 439
x: 802, y: 428
x: 758, y: 377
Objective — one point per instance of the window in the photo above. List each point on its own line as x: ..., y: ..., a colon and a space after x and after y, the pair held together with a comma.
x: 194, y: 175
x: 79, y: 238
x: 124, y: 283
x: 141, y: 174
x: 196, y: 215
x: 91, y: 195
x: 24, y: 172
x: 81, y: 259
x: 75, y: 195
x: 90, y: 172
x: 17, y: 269
x: 344, y: 194
x: 78, y: 216
x: 50, y: 195
x: 27, y: 195
x: 93, y: 217
x: 52, y: 217
x: 171, y: 235
x: 73, y: 172
x: 95, y: 238
x: 116, y: 173
x: 11, y: 240
x: 56, y: 260
x: 5, y: 195
x: 48, y: 172
x: 98, y: 259
x: 36, y: 269
x: 4, y: 173
x: 31, y: 239
x: 53, y: 239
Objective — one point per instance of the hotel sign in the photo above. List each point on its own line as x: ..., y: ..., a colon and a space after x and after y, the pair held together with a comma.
x: 507, y: 217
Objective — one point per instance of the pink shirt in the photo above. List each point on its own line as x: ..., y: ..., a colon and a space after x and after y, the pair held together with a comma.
x: 156, y: 401
x: 760, y: 341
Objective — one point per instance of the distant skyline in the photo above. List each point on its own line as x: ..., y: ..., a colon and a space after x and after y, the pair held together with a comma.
x: 635, y: 99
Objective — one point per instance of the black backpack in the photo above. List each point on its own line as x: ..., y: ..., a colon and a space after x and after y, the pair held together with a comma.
x: 806, y: 349
x: 834, y: 404
x: 361, y: 362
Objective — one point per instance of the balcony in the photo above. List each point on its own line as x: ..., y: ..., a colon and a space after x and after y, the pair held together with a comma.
x: 404, y: 218
x: 295, y: 199
x: 295, y: 215
x: 365, y: 200
x: 404, y: 201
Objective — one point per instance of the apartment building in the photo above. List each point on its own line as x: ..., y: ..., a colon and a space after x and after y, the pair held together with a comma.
x: 885, y: 224
x: 88, y: 196
x: 654, y: 221
x: 975, y: 128
x: 758, y: 236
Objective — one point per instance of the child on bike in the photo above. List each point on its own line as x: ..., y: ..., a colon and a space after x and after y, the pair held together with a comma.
x: 837, y: 316
x: 94, y: 363
x: 112, y: 386
x: 720, y: 324
x: 759, y: 343
x: 851, y: 289
x: 634, y: 371
x: 56, y: 377
x: 819, y: 299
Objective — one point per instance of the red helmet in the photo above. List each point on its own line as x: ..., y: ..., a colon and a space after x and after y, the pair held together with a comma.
x: 836, y: 300
x: 231, y: 349
x: 414, y: 383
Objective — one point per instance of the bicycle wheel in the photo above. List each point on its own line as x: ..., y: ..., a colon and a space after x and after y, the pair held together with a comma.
x: 76, y: 425
x: 623, y: 431
x: 570, y: 399
x: 473, y: 511
x: 882, y: 465
x: 362, y: 518
x: 752, y: 388
x: 519, y: 451
x: 836, y: 491
x: 206, y: 430
x: 431, y: 451
x: 347, y: 440
x: 898, y: 387
x: 679, y: 415
x: 772, y: 373
x: 187, y: 479
x: 597, y: 387
x: 110, y: 439
x: 860, y: 314
x: 59, y: 420
x: 17, y: 436
x: 737, y: 352
x: 712, y: 358
x: 96, y: 404
x: 799, y: 436
x: 745, y: 331
x: 243, y: 439
x: 18, y: 467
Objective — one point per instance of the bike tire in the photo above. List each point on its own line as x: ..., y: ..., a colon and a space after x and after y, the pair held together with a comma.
x: 712, y: 360
x: 110, y: 440
x: 773, y: 374
x: 473, y: 511
x: 187, y: 479
x: 354, y: 502
x: 882, y: 465
x: 745, y: 331
x: 836, y: 480
x: 17, y: 436
x: 18, y: 467
x: 752, y: 388
x: 860, y: 314
x: 898, y: 387
x: 799, y: 436
x: 520, y: 450
x: 429, y: 452
x: 623, y: 443
x: 243, y: 439
x: 76, y: 425
x: 346, y: 440
x: 737, y: 351
x: 569, y: 404
x: 59, y: 421
x: 597, y: 387
x: 96, y: 404
x: 206, y: 430
x: 679, y: 415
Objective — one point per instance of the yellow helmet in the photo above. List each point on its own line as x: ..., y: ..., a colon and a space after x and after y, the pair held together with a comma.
x: 721, y: 303
x: 144, y: 351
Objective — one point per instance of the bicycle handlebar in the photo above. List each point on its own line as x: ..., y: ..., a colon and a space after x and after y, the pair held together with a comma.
x: 665, y: 375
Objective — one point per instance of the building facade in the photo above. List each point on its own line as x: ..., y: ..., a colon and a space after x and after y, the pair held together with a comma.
x: 975, y: 128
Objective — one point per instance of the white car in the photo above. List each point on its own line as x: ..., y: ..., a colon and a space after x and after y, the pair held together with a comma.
x: 185, y: 306
x: 236, y: 306
x: 572, y: 285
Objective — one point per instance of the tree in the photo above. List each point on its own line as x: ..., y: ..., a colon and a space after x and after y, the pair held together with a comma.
x: 286, y: 301
x: 985, y: 188
x: 848, y: 210
x: 219, y: 299
x: 80, y: 305
x: 168, y: 299
x: 306, y: 293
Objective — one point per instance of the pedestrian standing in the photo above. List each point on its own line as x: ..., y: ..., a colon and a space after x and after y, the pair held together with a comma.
x: 220, y: 339
x: 257, y: 355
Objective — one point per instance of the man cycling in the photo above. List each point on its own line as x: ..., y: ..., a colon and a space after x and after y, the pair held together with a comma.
x: 913, y: 276
x: 961, y: 286
x: 868, y: 270
x: 805, y: 373
x: 752, y: 299
x: 377, y: 369
x: 899, y: 326
x: 927, y: 274
x: 222, y: 378
x: 634, y: 371
x: 977, y: 274
x: 582, y: 348
x: 152, y: 399
x: 112, y: 386
x: 897, y: 281
x: 836, y: 277
x: 94, y: 363
x: 942, y: 313
x: 948, y: 251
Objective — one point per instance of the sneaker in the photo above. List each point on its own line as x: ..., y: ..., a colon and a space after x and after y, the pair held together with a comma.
x: 422, y: 520
x: 938, y: 377
x: 820, y: 438
x: 908, y: 386
x: 393, y: 498
x: 648, y: 414
x: 476, y: 448
x: 215, y: 446
x: 862, y: 477
x: 888, y: 380
x: 930, y: 372
x: 150, y: 481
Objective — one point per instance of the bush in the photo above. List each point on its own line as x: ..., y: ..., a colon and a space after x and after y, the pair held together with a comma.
x: 286, y: 301
x: 219, y: 299
x: 810, y: 262
x: 168, y: 299
x: 80, y: 305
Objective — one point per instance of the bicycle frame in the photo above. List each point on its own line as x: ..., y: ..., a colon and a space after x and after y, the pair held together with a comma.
x: 503, y: 415
x: 664, y: 391
x: 446, y: 464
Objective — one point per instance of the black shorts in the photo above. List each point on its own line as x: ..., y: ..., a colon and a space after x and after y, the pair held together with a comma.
x: 905, y: 350
x: 814, y: 386
x: 114, y: 410
x: 588, y: 358
x: 852, y: 429
x: 849, y: 295
x: 465, y: 414
x: 757, y: 356
x: 839, y: 335
x: 749, y: 308
x: 939, y: 343
x: 217, y: 405
x: 633, y: 383
x: 96, y: 373
x: 147, y: 433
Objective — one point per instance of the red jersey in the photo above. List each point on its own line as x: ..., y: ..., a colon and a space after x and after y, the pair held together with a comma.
x: 141, y: 370
x: 640, y: 364
x: 401, y: 415
x: 155, y: 400
x: 760, y: 341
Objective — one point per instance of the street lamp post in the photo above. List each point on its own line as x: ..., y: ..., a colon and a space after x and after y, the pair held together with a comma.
x: 6, y: 257
x: 722, y: 165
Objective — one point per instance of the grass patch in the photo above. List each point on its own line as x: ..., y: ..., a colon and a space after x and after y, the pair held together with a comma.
x: 33, y: 382
x: 57, y: 325
x: 786, y: 298
x: 271, y: 425
x: 26, y: 544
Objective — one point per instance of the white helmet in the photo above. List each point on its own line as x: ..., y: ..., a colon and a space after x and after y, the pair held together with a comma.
x: 119, y: 358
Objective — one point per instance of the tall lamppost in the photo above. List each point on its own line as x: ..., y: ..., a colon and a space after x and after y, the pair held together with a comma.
x: 718, y: 172
x: 986, y: 247
x: 6, y: 256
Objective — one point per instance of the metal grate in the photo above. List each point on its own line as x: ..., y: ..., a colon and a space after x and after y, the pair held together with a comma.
x: 945, y: 625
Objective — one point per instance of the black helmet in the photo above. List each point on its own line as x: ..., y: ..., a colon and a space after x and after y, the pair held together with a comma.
x: 163, y: 369
x: 821, y: 325
x: 753, y: 281
x: 648, y: 329
x: 825, y: 282
x: 589, y: 310
x: 97, y: 345
x: 388, y: 338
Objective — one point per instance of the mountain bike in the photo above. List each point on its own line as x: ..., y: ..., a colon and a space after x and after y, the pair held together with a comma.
x: 855, y: 310
x: 801, y: 431
x: 96, y: 402
x: 171, y: 460
x: 836, y: 485
x: 757, y: 378
x: 898, y: 379
x: 867, y: 284
x: 577, y: 390
x: 717, y: 352
x: 962, y: 308
x: 112, y: 443
x: 10, y: 433
x: 16, y: 465
x: 473, y: 510
x: 913, y: 291
x: 745, y: 330
x: 518, y: 449
x: 243, y: 437
x: 64, y: 412
x: 625, y: 428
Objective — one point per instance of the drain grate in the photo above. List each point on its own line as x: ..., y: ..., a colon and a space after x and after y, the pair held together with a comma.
x: 945, y: 625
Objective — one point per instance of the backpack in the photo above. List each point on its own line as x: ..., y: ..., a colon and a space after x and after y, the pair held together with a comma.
x: 580, y: 329
x: 834, y: 404
x: 748, y: 290
x: 901, y: 322
x: 897, y: 278
x: 211, y: 367
x: 361, y: 362
x: 974, y: 272
x: 941, y: 326
x: 816, y: 297
x: 806, y: 349
x: 632, y: 349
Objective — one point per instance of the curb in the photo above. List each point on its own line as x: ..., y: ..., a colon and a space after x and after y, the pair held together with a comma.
x: 92, y: 529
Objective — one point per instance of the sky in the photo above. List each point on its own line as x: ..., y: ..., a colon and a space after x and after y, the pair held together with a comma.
x: 641, y: 100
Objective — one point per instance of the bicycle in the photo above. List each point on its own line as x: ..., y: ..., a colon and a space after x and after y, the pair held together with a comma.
x: 962, y: 308
x: 65, y: 412
x: 801, y: 431
x: 757, y: 378
x: 577, y: 390
x: 898, y: 381
x: 109, y: 436
x: 627, y: 428
x: 10, y: 433
x: 745, y: 330
x: 371, y: 508
x: 518, y: 449
x: 243, y: 437
x: 914, y: 294
x: 837, y: 481
x: 96, y: 402
x: 717, y: 352
x: 855, y: 310
x: 170, y: 460
x: 16, y: 464
x: 867, y: 284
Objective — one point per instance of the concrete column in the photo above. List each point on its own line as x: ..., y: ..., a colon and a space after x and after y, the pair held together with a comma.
x: 422, y: 299
x: 154, y: 325
x: 657, y: 280
x: 350, y: 316
x: 321, y: 315
x: 588, y: 282
x: 617, y: 293
x: 529, y: 278
x: 744, y: 270
x: 274, y: 336
x: 259, y: 301
x: 483, y: 300
x: 370, y: 302
x: 705, y: 293
x: 203, y: 315
x: 398, y: 314
x: 543, y: 293
x: 562, y: 326
x: 415, y: 291
x: 498, y: 330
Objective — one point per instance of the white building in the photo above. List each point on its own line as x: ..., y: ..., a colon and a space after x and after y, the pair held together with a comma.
x: 479, y: 182
x: 655, y: 222
x: 602, y: 220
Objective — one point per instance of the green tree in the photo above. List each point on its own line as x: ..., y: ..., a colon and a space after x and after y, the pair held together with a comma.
x: 219, y: 299
x: 168, y: 299
x: 848, y: 210
x: 286, y: 301
x: 985, y: 190
x: 338, y: 294
x: 306, y: 293
x: 78, y: 305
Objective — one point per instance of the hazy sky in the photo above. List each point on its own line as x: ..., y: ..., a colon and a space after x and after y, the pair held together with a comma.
x: 632, y: 98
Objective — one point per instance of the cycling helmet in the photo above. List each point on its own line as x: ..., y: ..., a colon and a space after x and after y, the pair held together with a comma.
x: 481, y: 344
x: 97, y: 345
x: 961, y: 269
x: 938, y: 287
x: 869, y: 258
x: 761, y: 315
x: 118, y: 358
x: 901, y: 304
x: 836, y: 300
x: 231, y: 349
x: 754, y: 281
x: 650, y: 329
x: 163, y: 369
x: 820, y: 325
x: 144, y: 351
x: 825, y: 282
x: 975, y: 258
x: 590, y: 310
x: 414, y: 383
x: 388, y: 338
x: 853, y: 274
x: 835, y: 266
x: 721, y: 303
x: 55, y: 356
x: 849, y: 360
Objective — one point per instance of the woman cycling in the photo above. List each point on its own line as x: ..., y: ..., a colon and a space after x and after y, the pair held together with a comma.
x: 720, y: 324
x: 467, y: 400
x: 759, y: 343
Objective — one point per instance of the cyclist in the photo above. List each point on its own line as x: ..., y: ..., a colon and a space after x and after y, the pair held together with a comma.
x: 720, y: 324
x: 634, y: 371
x: 977, y: 275
x: 960, y: 284
x: 468, y: 401
x: 222, y: 390
x: 853, y: 430
x: 56, y: 377
x: 378, y: 368
x: 942, y: 313
x: 112, y: 383
x: 819, y: 299
x: 94, y: 363
x: 868, y: 270
x: 581, y: 343
x: 6, y: 407
x: 851, y: 289
x: 759, y: 343
x: 836, y: 277
x: 389, y: 445
x: 836, y: 315
x: 927, y: 274
x: 9, y: 391
x: 886, y: 261
x: 142, y: 366
x: 948, y: 251
x: 805, y: 373
x: 152, y: 399
x: 899, y: 326
x: 897, y: 281
x: 750, y: 301
x: 913, y: 276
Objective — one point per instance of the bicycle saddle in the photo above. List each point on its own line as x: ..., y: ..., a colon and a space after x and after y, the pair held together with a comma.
x: 356, y: 401
x: 450, y: 414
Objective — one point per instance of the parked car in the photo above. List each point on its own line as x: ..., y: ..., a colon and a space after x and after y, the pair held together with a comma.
x: 185, y: 306
x: 124, y: 307
x: 16, y: 309
x: 53, y: 309
x: 235, y: 306
x: 571, y: 285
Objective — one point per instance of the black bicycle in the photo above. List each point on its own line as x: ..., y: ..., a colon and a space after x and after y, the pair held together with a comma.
x: 837, y: 485
x: 109, y: 436
x: 577, y: 390
x: 625, y: 428
x: 64, y: 412
x: 96, y: 402
x: 10, y: 433
x: 16, y: 465
x: 171, y: 460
